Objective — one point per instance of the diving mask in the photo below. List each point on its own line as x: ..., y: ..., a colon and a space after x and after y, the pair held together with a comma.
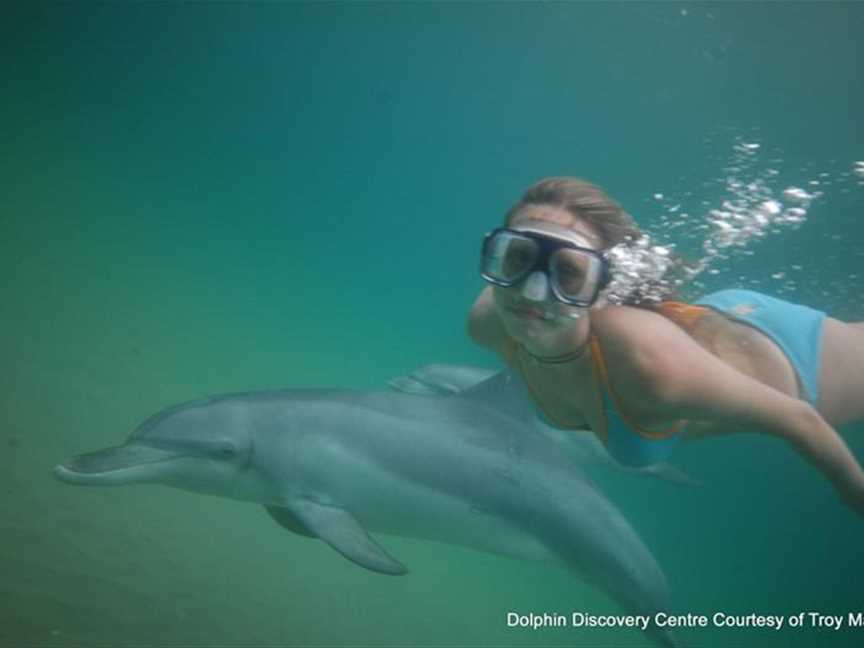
x: 576, y: 274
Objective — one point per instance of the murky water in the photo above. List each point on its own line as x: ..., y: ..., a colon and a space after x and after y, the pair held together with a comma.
x: 202, y: 198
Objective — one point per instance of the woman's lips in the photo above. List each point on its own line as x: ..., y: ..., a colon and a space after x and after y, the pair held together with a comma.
x: 529, y: 312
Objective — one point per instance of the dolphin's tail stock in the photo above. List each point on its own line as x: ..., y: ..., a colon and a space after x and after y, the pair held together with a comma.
x: 611, y: 556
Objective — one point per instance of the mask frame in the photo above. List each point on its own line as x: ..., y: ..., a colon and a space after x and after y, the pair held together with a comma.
x: 547, y: 246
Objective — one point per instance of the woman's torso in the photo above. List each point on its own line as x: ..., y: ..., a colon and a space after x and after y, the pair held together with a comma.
x: 572, y: 395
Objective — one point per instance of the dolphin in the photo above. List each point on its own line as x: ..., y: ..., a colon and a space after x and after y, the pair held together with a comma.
x: 450, y: 454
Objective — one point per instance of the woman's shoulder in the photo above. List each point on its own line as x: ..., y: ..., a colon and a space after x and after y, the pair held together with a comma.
x: 629, y: 324
x: 641, y: 347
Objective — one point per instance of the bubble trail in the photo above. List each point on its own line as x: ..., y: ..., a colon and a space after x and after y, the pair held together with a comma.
x: 752, y: 206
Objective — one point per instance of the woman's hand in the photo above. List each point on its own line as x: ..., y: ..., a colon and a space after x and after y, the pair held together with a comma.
x: 822, y: 446
x: 853, y: 495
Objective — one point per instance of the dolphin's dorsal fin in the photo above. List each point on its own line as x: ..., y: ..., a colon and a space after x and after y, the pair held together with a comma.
x: 338, y: 528
x: 505, y: 392
x: 440, y: 379
x: 502, y: 390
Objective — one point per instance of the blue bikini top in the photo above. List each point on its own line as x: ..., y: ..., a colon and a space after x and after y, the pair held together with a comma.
x: 629, y: 443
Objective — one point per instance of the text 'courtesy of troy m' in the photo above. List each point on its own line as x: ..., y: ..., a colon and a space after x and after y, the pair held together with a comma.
x: 806, y: 619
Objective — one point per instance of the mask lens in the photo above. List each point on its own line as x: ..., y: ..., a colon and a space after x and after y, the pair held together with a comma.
x: 509, y: 256
x: 575, y: 273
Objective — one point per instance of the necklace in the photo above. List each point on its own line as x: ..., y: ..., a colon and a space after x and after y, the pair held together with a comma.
x: 559, y: 359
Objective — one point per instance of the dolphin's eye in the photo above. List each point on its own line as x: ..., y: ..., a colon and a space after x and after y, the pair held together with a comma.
x: 227, y: 450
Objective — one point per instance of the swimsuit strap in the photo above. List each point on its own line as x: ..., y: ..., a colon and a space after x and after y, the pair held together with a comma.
x: 600, y: 364
x: 683, y: 314
x: 511, y: 353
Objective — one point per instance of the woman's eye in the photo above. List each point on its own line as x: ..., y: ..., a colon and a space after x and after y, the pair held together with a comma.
x: 517, y: 261
x: 570, y: 272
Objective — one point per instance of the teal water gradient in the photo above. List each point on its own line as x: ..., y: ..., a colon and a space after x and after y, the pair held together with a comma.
x: 209, y: 197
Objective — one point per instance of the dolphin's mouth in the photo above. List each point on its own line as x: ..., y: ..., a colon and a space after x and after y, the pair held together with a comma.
x: 113, y: 466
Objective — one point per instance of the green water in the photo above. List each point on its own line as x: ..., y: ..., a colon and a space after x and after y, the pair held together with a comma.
x: 210, y: 197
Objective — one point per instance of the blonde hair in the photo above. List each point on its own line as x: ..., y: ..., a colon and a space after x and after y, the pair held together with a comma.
x: 585, y: 201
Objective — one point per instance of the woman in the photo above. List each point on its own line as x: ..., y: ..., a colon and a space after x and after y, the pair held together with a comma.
x: 643, y: 376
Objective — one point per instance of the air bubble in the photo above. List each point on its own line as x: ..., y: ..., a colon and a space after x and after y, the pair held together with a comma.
x: 796, y: 194
x: 750, y: 209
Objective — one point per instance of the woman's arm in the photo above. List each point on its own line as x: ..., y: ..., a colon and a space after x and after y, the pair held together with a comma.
x: 484, y: 325
x: 673, y: 377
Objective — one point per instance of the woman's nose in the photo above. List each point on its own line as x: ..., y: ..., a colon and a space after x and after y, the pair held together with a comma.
x: 536, y: 286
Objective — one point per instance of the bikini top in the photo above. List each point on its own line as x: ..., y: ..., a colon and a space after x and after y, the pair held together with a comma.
x: 628, y: 442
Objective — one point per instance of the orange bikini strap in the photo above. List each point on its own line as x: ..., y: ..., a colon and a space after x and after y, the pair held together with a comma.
x: 600, y: 362
x: 683, y: 314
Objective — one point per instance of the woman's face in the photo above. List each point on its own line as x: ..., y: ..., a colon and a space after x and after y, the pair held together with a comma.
x: 528, y: 312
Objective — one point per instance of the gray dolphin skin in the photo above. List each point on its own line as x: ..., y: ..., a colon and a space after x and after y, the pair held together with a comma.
x: 451, y: 454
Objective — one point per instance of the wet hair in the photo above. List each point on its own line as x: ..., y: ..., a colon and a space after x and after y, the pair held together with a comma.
x: 590, y: 204
x: 586, y: 202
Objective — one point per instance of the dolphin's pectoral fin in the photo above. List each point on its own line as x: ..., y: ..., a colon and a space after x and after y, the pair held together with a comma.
x: 288, y: 520
x: 670, y: 473
x: 338, y: 528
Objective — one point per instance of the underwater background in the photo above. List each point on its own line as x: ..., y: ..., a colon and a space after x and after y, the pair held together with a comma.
x: 214, y: 197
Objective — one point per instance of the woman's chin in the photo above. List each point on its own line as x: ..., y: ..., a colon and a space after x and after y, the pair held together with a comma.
x: 523, y: 328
